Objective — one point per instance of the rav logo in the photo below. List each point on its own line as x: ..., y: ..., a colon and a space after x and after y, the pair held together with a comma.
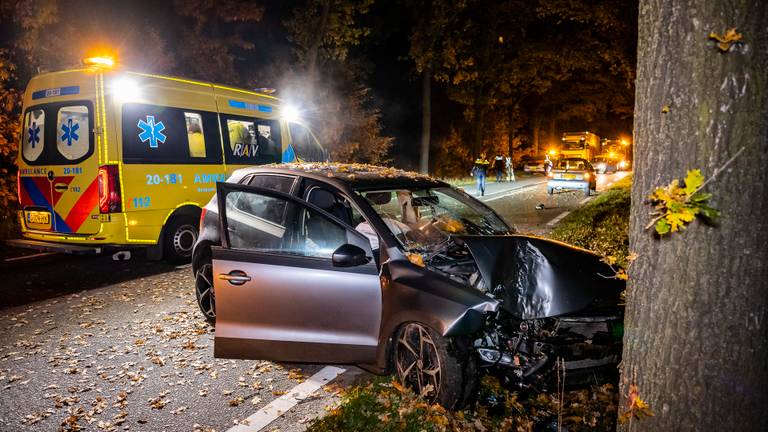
x: 245, y: 150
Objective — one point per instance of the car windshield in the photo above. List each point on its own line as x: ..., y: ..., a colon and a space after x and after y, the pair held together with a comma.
x: 571, y: 164
x: 423, y: 218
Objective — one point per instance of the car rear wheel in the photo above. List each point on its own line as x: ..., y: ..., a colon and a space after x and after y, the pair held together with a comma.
x: 437, y: 368
x: 180, y: 238
x: 206, y: 296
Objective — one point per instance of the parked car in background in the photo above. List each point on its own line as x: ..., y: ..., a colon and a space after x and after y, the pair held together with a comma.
x: 605, y: 165
x: 538, y: 166
x: 572, y: 174
x: 398, y: 272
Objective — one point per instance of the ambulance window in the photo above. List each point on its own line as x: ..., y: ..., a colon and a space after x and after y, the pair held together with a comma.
x: 33, y: 138
x: 195, y: 137
x: 252, y: 141
x: 154, y: 134
x: 305, y: 145
x: 73, y: 132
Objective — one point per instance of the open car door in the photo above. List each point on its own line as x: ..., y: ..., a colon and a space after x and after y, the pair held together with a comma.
x: 292, y: 282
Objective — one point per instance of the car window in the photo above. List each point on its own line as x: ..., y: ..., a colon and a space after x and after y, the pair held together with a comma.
x: 255, y: 222
x: 278, y: 183
x: 572, y: 164
x: 422, y: 218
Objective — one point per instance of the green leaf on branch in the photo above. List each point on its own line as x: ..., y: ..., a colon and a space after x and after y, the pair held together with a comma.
x: 693, y: 181
x: 662, y: 227
x: 680, y: 202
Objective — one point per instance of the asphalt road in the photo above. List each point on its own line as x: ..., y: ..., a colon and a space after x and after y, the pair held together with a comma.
x: 97, y: 344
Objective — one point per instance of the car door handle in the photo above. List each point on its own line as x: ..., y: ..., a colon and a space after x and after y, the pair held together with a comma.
x: 235, y: 277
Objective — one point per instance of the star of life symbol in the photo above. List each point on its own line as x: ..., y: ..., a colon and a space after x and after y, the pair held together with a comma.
x: 70, y: 132
x: 34, y: 134
x: 151, y: 131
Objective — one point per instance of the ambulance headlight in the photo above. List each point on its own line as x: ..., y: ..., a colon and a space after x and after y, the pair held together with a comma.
x: 290, y: 113
x: 124, y: 89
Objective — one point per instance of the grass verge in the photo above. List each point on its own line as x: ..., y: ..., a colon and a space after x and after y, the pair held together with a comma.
x: 601, y: 225
x: 386, y: 406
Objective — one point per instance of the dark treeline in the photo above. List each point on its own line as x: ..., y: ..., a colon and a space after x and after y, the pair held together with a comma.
x: 488, y: 76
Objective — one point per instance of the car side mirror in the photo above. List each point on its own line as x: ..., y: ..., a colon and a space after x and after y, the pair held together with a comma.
x: 348, y: 255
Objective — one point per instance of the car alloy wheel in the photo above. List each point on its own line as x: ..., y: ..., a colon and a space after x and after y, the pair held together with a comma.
x: 206, y: 296
x: 417, y: 361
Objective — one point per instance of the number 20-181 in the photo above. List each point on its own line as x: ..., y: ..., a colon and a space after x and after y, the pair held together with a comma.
x: 141, y: 202
x: 155, y: 179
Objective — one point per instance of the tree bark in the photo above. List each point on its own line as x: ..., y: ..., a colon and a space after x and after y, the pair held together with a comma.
x: 536, y: 128
x: 426, y: 115
x: 478, y: 114
x: 322, y: 27
x: 511, y: 132
x: 696, y: 330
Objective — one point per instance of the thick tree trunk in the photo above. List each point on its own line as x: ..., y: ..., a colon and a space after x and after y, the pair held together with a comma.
x: 478, y: 113
x: 552, y: 139
x: 426, y: 123
x: 696, y: 337
x: 322, y: 28
x: 536, y: 128
x: 511, y: 132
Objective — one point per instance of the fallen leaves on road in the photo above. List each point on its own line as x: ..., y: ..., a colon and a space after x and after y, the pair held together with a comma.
x: 99, y: 354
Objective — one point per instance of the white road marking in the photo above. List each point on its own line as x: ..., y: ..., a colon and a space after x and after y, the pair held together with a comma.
x: 21, y: 258
x: 585, y: 200
x: 281, y: 405
x: 558, y: 218
x: 510, y: 193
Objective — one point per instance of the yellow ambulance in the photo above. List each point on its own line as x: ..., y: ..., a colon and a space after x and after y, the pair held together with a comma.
x: 112, y: 158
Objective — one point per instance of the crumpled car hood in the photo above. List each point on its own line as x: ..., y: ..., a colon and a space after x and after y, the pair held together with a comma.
x: 537, y: 278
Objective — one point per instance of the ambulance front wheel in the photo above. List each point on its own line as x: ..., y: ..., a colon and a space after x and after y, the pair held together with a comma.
x: 179, y: 239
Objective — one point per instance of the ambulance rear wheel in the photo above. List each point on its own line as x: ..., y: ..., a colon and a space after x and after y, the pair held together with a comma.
x: 179, y: 239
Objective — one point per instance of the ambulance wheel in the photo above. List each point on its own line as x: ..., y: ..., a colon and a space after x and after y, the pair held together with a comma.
x: 179, y: 239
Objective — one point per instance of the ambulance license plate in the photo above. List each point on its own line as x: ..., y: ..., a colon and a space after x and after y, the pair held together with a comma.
x: 38, y: 217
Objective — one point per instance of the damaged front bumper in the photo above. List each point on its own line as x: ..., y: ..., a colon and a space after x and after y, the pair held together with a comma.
x: 559, y: 309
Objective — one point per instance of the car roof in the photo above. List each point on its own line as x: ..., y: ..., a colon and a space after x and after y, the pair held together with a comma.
x: 353, y: 176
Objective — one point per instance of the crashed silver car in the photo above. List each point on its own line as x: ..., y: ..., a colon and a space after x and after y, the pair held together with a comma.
x: 398, y: 272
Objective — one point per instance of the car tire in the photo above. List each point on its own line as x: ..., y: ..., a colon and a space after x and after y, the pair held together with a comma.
x: 179, y: 238
x: 204, y: 289
x: 424, y: 358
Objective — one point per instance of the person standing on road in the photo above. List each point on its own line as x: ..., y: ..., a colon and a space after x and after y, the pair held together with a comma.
x: 498, y: 166
x: 479, y: 171
x: 510, y: 171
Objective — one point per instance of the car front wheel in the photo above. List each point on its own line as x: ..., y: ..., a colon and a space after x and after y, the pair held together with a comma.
x: 206, y: 297
x: 438, y: 368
